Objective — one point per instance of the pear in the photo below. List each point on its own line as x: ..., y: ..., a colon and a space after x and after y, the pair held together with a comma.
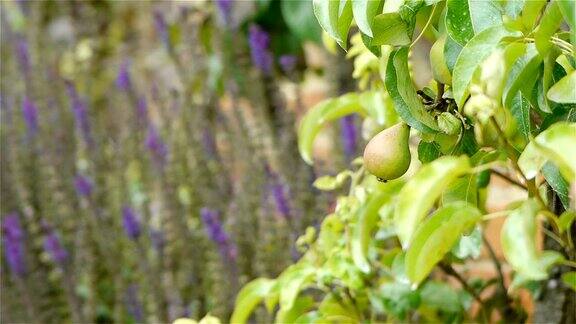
x: 387, y: 155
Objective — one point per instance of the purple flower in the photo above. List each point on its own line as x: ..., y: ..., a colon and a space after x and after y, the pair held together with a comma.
x: 280, y: 195
x: 30, y: 114
x: 288, y: 63
x: 123, y: 81
x: 216, y: 232
x: 349, y: 135
x: 133, y: 304
x: 225, y: 9
x: 161, y: 27
x: 13, y: 239
x: 142, y: 110
x: 23, y: 55
x: 54, y: 248
x: 259, y: 48
x: 80, y: 113
x: 83, y: 185
x: 156, y: 146
x: 131, y: 223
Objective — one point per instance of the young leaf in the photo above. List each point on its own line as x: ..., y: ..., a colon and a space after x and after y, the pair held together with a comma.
x: 518, y: 239
x: 364, y: 12
x: 569, y: 279
x: 367, y: 220
x: 474, y: 53
x: 549, y: 24
x: 419, y: 194
x: 466, y: 18
x: 436, y: 236
x: 391, y: 29
x: 301, y: 306
x: 249, y: 297
x: 522, y: 75
x: 565, y: 220
x: 406, y: 101
x: 564, y: 91
x: 531, y: 12
x: 555, y: 144
x: 334, y: 17
x: 291, y: 282
x: 328, y: 183
x: 319, y: 115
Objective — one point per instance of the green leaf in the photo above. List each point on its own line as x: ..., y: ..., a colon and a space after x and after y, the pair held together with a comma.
x: 334, y: 17
x: 558, y: 184
x: 520, y: 109
x: 565, y: 220
x: 466, y: 18
x: 469, y: 246
x: 462, y: 189
x: 319, y: 115
x: 367, y: 220
x: 328, y: 183
x: 545, y: 261
x: 419, y: 194
x: 451, y: 52
x: 391, y: 29
x: 555, y: 144
x: 333, y: 310
x: 436, y: 237
x: 301, y: 306
x: 531, y: 12
x: 428, y: 152
x: 564, y: 90
x: 569, y: 279
x: 364, y: 12
x: 292, y: 281
x: 472, y: 55
x: 568, y: 9
x: 518, y: 240
x: 406, y: 101
x: 399, y: 299
x: 522, y: 75
x: 249, y: 297
x: 549, y: 24
x: 299, y: 17
x: 440, y: 295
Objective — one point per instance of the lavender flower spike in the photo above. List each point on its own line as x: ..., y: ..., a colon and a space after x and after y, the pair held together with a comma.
x: 133, y: 303
x: 225, y: 9
x: 131, y: 223
x: 349, y: 136
x: 288, y: 63
x: 123, y: 80
x: 13, y: 240
x: 161, y: 27
x: 216, y: 232
x: 83, y: 185
x: 156, y: 146
x: 280, y: 197
x: 23, y: 55
x: 54, y: 248
x: 259, y: 41
x: 80, y: 113
x: 30, y: 114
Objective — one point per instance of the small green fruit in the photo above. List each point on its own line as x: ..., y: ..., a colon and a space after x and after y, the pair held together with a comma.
x: 387, y: 155
x: 438, y: 62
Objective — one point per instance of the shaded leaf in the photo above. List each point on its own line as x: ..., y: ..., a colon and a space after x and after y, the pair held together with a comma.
x: 569, y: 279
x: 406, y: 101
x: 558, y: 184
x: 299, y: 17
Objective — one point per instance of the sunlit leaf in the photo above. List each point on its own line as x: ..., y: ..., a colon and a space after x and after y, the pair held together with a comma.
x: 406, y: 101
x: 522, y: 75
x: 518, y: 238
x: 300, y: 307
x: 549, y: 24
x: 555, y: 144
x: 334, y: 17
x: 367, y: 220
x: 419, y: 194
x: 546, y: 260
x: 564, y: 91
x: 436, y: 237
x: 569, y: 279
x: 291, y: 282
x: 319, y: 115
x: 249, y: 297
x: 565, y: 220
x: 472, y: 55
x: 466, y: 18
x: 364, y: 12
x: 391, y: 29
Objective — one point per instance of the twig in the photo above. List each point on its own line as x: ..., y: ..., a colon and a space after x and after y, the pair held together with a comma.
x: 497, y: 265
x: 449, y: 270
x: 509, y: 179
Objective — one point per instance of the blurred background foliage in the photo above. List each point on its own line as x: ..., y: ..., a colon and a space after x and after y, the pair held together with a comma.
x: 149, y: 161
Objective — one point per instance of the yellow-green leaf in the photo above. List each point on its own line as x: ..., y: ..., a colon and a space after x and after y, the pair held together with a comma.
x: 249, y: 297
x: 419, y: 194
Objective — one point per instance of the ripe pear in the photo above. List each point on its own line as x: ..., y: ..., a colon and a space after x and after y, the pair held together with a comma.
x: 387, y: 155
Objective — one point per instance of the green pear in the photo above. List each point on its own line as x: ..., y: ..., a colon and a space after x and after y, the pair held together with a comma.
x: 387, y: 155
